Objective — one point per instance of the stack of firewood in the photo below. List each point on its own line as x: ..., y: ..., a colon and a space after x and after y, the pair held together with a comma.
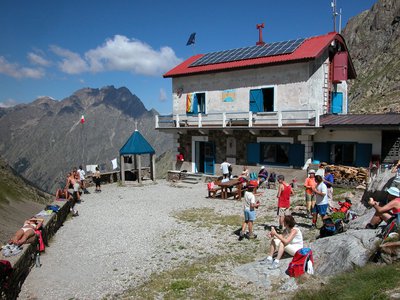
x: 346, y: 175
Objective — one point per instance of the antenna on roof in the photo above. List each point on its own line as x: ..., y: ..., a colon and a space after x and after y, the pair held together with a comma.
x: 335, y: 14
x: 260, y: 39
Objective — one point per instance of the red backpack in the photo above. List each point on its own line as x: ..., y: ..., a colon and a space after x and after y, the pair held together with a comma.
x: 301, y: 263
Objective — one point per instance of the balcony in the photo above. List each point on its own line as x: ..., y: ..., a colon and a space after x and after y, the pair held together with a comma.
x: 277, y: 119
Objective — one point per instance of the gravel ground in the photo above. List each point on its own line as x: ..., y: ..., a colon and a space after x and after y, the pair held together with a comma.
x: 123, y: 235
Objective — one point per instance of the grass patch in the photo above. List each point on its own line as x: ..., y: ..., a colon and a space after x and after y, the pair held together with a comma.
x: 370, y: 282
x: 207, y: 217
x: 191, y: 281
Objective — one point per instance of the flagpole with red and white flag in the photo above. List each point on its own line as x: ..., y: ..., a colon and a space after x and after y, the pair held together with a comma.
x: 82, y: 119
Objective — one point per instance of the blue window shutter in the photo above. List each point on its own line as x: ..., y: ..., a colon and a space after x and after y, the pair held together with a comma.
x: 253, y: 153
x: 256, y: 100
x: 321, y: 152
x: 296, y: 155
x: 363, y: 155
x: 337, y: 103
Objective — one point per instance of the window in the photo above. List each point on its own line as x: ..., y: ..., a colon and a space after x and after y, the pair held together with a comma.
x: 262, y: 100
x: 343, y: 153
x: 196, y: 103
x: 272, y: 153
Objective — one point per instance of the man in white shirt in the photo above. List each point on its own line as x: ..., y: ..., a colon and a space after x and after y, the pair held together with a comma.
x: 82, y: 174
x: 321, y: 200
x: 249, y: 206
x: 225, y: 169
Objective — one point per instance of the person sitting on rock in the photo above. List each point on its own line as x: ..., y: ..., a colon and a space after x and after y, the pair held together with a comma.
x: 387, y: 211
x: 290, y: 241
x: 27, y: 231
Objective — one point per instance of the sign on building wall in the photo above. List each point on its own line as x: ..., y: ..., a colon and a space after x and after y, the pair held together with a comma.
x: 228, y: 95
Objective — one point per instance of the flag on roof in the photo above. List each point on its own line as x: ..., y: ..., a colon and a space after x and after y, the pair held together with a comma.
x: 82, y: 119
x: 191, y: 39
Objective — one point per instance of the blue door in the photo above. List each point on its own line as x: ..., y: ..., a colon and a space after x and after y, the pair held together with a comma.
x: 256, y: 101
x: 253, y: 153
x: 296, y: 155
x: 209, y: 158
x: 321, y: 152
x: 337, y: 103
x: 363, y: 155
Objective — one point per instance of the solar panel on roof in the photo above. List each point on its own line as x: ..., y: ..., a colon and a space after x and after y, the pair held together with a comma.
x: 277, y: 48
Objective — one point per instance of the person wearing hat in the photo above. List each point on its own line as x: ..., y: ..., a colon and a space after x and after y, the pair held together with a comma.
x: 262, y: 175
x: 386, y: 212
x: 309, y: 185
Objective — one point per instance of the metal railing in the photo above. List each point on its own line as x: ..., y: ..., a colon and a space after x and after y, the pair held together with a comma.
x: 281, y: 118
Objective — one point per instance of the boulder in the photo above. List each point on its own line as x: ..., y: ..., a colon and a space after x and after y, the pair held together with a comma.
x: 342, y: 252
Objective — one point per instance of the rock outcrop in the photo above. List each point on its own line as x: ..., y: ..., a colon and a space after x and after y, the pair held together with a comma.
x: 373, y: 38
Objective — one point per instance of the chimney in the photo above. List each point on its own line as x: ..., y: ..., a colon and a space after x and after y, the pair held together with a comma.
x: 260, y: 40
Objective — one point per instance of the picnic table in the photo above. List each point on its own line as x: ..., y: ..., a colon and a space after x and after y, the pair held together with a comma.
x: 235, y: 183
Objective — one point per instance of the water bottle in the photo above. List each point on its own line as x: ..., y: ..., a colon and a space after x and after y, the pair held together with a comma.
x: 37, y: 260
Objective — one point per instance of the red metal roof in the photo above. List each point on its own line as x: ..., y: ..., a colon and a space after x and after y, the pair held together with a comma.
x: 311, y: 48
x: 390, y: 119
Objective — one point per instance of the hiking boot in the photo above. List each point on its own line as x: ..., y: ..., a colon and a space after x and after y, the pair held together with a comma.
x: 266, y: 261
x: 274, y: 265
x: 241, y: 236
x: 252, y: 236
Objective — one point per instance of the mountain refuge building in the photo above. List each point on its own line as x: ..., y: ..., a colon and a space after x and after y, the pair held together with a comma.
x: 274, y: 104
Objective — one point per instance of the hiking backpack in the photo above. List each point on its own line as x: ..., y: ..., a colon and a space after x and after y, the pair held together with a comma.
x: 331, y: 227
x: 301, y: 263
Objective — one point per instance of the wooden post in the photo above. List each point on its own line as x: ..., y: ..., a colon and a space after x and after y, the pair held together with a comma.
x: 122, y: 169
x: 135, y: 161
x: 153, y: 167
x: 139, y: 170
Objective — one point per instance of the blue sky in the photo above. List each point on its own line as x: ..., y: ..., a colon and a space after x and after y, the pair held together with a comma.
x: 53, y: 48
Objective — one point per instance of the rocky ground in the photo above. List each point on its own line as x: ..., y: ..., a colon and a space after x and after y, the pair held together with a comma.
x: 125, y: 236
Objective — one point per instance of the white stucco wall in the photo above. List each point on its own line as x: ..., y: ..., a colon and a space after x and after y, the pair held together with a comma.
x: 297, y: 86
x: 373, y: 137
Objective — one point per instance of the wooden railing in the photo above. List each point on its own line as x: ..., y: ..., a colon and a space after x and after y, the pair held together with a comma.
x: 282, y: 118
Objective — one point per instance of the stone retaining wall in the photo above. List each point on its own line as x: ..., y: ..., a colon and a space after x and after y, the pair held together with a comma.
x: 23, y: 262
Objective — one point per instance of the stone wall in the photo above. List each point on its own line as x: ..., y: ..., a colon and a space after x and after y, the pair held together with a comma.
x: 23, y: 262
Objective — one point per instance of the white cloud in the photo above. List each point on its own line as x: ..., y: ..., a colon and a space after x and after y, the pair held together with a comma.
x: 16, y: 71
x: 123, y: 54
x: 38, y: 60
x: 119, y: 54
x: 71, y: 63
x: 8, y: 103
x: 163, y: 95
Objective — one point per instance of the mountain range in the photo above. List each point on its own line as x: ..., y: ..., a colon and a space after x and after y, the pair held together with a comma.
x: 44, y: 139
